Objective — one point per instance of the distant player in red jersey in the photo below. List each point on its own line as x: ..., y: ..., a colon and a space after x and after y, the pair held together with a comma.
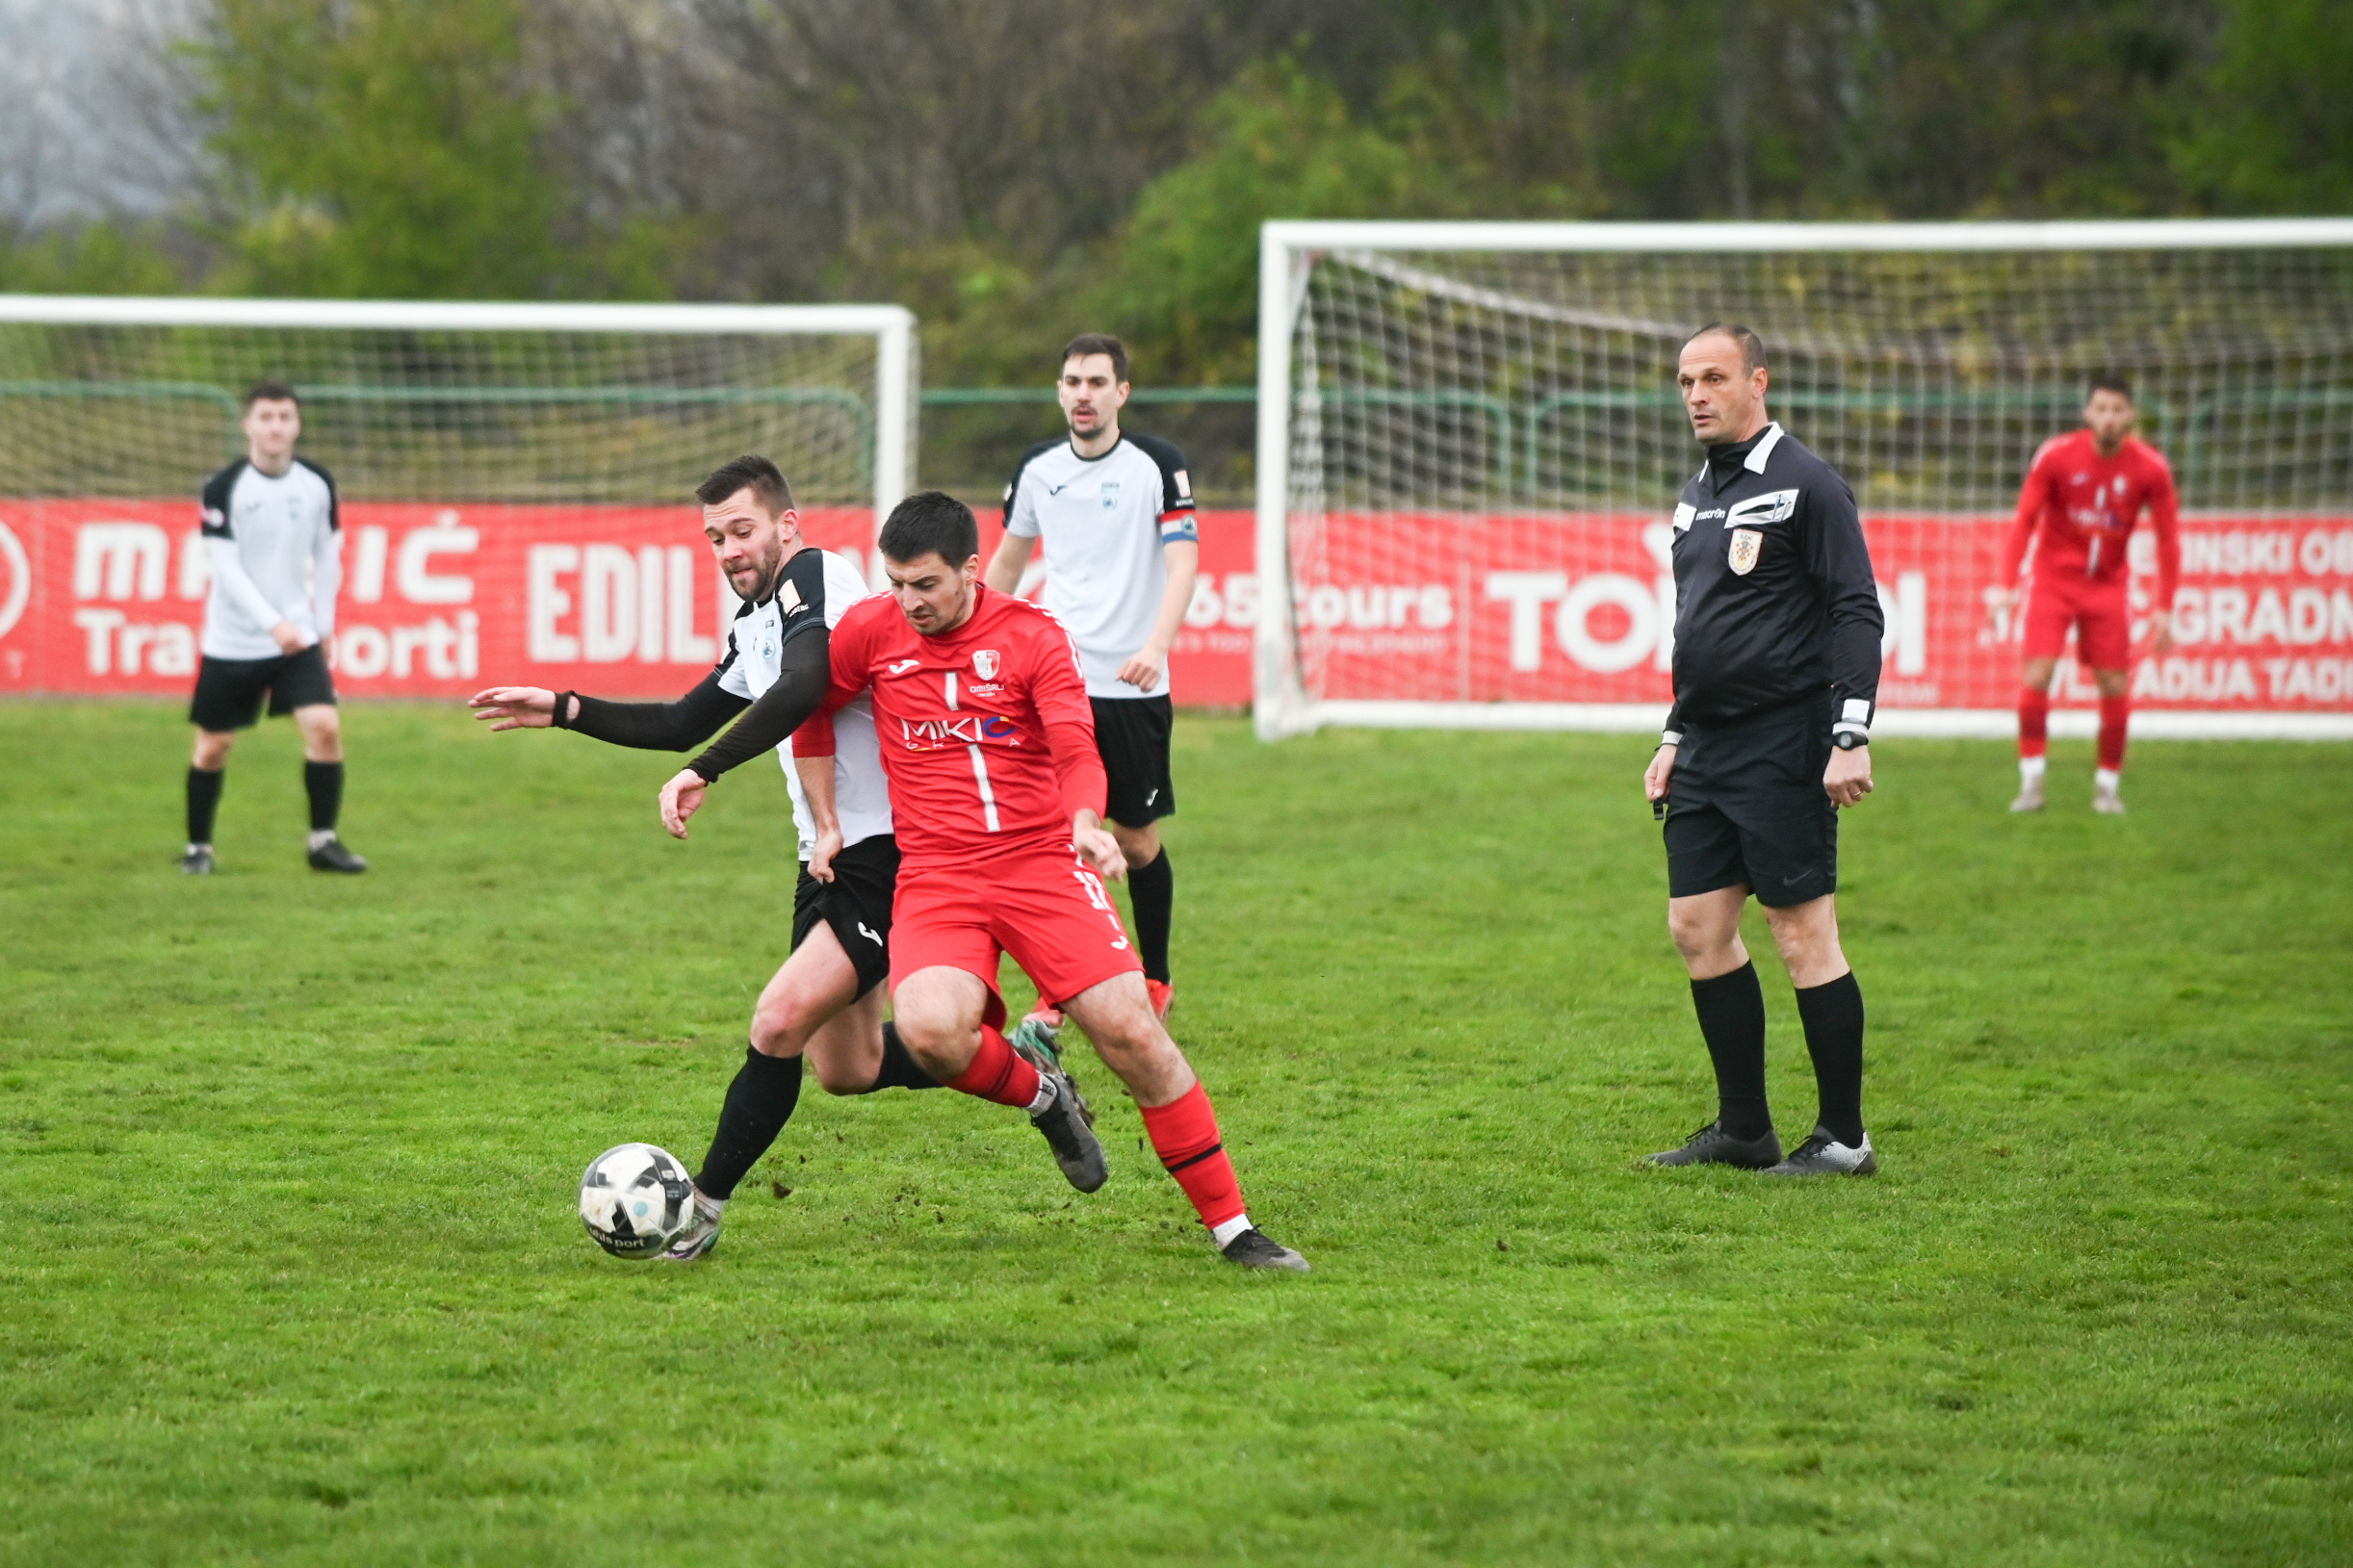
x: 996, y: 790
x: 2083, y: 495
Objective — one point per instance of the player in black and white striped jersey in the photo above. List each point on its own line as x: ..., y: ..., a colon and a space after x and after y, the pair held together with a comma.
x: 276, y: 554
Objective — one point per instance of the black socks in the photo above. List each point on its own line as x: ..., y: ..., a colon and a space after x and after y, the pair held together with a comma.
x: 324, y: 783
x: 899, y: 1069
x: 1834, y: 1016
x: 759, y: 1103
x: 204, y: 801
x: 1731, y: 1008
x: 1153, y: 892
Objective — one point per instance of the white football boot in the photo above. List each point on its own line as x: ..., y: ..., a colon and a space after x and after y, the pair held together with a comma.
x: 701, y: 1235
x: 1822, y: 1155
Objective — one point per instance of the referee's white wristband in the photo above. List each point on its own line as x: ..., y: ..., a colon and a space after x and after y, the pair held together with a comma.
x: 1671, y: 737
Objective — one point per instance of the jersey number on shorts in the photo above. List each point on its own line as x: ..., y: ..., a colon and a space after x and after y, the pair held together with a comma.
x: 1101, y: 900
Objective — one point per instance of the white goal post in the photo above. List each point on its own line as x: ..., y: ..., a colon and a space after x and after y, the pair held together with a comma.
x: 463, y: 400
x: 1468, y: 442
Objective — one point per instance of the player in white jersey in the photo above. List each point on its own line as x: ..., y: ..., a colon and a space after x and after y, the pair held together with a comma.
x: 276, y: 554
x: 826, y: 1001
x: 1115, y: 513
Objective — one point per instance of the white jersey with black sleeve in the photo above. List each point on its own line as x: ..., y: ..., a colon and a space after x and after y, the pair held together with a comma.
x: 276, y: 550
x: 815, y: 587
x: 1105, y: 521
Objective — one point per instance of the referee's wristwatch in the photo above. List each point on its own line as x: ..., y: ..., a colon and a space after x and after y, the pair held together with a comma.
x: 1847, y: 740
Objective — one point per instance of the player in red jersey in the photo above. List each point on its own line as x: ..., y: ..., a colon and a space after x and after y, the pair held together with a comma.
x: 996, y: 790
x: 2083, y: 495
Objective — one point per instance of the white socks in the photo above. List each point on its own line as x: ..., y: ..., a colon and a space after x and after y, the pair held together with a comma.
x: 1046, y: 1096
x: 711, y: 1208
x: 320, y: 837
x: 2030, y: 769
x: 2107, y: 781
x: 1223, y: 1234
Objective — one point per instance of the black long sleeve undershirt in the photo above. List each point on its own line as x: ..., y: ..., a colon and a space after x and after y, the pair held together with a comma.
x: 804, y: 672
x: 660, y: 727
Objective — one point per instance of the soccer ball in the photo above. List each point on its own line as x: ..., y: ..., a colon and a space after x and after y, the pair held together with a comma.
x: 634, y: 1200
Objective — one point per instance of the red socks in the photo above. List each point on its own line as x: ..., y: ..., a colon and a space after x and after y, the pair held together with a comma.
x: 2116, y: 712
x: 1184, y: 1135
x: 2033, y: 723
x: 997, y: 1073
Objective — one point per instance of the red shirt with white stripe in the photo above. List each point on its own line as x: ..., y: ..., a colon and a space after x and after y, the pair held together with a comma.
x: 985, y: 733
x: 2083, y: 508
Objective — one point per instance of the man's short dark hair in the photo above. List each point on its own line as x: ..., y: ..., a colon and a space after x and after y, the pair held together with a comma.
x: 2110, y: 382
x: 1099, y: 343
x: 930, y: 522
x: 271, y: 392
x: 1752, y: 346
x: 750, y: 472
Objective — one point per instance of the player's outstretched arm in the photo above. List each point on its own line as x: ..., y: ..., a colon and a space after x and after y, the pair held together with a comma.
x: 661, y: 727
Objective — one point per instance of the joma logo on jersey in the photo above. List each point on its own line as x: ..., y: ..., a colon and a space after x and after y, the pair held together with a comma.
x: 961, y: 730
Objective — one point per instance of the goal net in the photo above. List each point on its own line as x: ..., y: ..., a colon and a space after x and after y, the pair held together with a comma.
x: 1469, y: 442
x: 516, y: 481
x: 566, y: 403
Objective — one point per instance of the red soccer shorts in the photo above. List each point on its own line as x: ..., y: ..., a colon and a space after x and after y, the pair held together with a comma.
x: 2097, y: 610
x: 1047, y: 908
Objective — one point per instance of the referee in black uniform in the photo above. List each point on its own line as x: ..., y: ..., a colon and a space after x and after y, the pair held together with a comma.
x: 1776, y: 672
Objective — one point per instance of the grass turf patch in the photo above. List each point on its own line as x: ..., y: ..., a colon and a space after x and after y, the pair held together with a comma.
x: 295, y: 1276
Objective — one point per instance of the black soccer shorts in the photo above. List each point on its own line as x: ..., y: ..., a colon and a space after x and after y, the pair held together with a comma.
x: 1745, y: 808
x: 1132, y: 736
x: 856, y: 903
x: 229, y: 691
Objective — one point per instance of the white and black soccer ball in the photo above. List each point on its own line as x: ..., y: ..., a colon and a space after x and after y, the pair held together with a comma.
x: 634, y: 1200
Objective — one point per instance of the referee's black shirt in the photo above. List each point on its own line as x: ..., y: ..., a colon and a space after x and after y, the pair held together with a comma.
x: 1774, y: 599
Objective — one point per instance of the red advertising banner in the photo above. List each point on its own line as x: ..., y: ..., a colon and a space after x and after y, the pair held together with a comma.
x: 1581, y: 609
x: 108, y: 597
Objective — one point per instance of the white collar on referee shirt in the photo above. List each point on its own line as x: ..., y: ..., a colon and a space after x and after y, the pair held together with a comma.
x: 1762, y: 450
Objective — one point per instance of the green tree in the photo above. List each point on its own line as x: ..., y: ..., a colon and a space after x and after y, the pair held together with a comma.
x: 385, y: 147
x: 2275, y: 131
x: 1182, y: 278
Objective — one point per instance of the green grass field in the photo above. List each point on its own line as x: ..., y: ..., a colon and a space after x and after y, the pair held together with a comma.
x: 293, y: 1275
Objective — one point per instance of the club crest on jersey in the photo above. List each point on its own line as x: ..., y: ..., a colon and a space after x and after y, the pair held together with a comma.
x: 1747, y: 545
x: 1111, y: 494
x: 984, y: 664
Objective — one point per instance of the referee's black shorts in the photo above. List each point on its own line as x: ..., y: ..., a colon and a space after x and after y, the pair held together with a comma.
x: 1745, y: 808
x: 229, y: 691
x: 856, y: 903
x: 1132, y: 734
